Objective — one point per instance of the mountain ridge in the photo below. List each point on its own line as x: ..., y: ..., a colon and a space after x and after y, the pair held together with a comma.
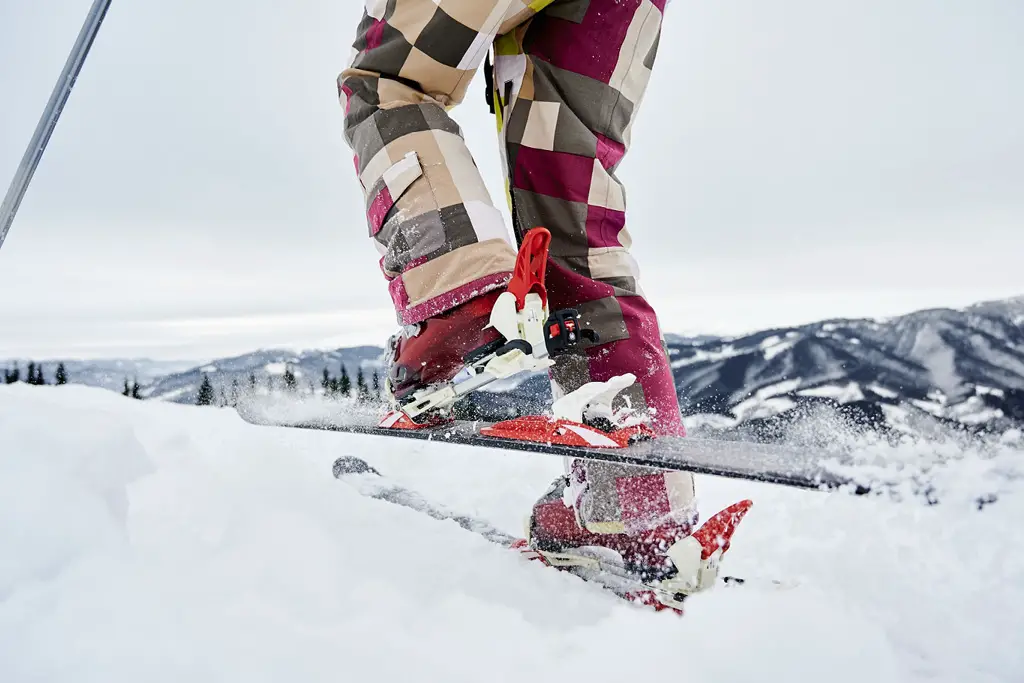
x: 961, y: 367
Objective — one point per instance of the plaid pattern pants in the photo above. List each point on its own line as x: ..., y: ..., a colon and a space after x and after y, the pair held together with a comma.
x: 569, y: 76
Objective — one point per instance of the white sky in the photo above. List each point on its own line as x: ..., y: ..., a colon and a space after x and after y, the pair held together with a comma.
x: 793, y: 160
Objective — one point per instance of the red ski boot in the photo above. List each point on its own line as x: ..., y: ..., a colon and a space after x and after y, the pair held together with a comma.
x: 492, y: 337
x: 435, y: 350
x: 658, y: 567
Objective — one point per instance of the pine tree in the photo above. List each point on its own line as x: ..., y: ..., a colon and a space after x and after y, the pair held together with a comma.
x: 31, y: 373
x: 344, y: 384
x: 205, y: 397
x: 127, y: 389
x: 15, y: 375
x: 236, y: 391
x: 326, y: 381
x: 62, y: 374
x: 40, y: 378
x: 135, y: 390
x: 376, y: 386
x: 363, y: 391
x: 252, y: 380
x: 289, y: 378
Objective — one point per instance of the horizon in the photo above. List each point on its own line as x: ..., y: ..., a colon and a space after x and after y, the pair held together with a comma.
x: 243, y: 350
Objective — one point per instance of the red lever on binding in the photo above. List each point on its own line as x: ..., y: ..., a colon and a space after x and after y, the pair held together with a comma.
x: 531, y: 266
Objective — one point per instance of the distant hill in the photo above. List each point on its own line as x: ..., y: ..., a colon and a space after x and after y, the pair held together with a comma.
x: 106, y: 374
x: 961, y: 368
x: 267, y: 366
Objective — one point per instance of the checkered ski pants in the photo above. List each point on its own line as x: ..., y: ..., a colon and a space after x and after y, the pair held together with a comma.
x: 568, y: 77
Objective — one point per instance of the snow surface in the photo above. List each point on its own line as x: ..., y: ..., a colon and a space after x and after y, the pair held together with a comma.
x: 842, y: 394
x: 146, y: 541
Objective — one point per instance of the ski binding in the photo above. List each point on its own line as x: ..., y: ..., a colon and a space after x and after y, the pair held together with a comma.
x: 531, y: 335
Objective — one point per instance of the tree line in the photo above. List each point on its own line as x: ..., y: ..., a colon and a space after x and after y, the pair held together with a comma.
x: 339, y: 386
x: 332, y: 386
x: 34, y: 374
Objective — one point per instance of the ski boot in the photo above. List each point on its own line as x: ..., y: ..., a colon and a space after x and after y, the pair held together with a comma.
x: 658, y: 568
x: 434, y: 351
x: 493, y: 337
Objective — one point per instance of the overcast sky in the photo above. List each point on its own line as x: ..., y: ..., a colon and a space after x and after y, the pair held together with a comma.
x: 793, y: 160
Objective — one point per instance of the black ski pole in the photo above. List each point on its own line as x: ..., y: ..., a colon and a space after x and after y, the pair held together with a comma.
x: 59, y: 97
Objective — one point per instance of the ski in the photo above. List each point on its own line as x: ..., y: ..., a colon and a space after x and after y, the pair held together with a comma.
x: 530, y: 337
x: 764, y: 463
x: 369, y: 482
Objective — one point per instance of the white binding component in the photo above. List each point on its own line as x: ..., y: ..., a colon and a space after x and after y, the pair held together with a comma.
x: 526, y: 324
x: 505, y: 317
x: 594, y: 398
x: 694, y: 574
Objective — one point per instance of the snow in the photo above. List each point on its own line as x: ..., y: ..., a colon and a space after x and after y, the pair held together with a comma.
x: 974, y: 411
x: 932, y: 351
x: 843, y: 394
x: 146, y: 541
x: 884, y: 392
x: 767, y: 401
x: 989, y: 391
x: 699, y: 421
x: 776, y: 347
x: 930, y: 407
x: 704, y: 356
x: 779, y: 388
x: 181, y: 391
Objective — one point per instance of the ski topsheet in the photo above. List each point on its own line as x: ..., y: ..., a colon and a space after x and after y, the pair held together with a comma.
x: 735, y: 459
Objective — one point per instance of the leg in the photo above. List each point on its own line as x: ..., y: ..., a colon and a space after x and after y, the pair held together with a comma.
x: 568, y: 84
x: 441, y: 239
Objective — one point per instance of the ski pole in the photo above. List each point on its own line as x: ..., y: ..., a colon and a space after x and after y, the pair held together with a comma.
x: 58, y: 98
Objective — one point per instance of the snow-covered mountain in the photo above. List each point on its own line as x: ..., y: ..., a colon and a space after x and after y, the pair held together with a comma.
x: 267, y: 366
x: 957, y: 367
x: 105, y: 374
x: 965, y: 366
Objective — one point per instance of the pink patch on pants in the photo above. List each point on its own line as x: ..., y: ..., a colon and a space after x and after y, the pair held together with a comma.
x: 378, y: 210
x: 375, y: 34
x: 555, y: 174
x: 604, y: 226
x: 609, y: 152
x: 590, y: 48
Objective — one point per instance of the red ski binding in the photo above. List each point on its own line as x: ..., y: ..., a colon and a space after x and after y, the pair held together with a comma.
x: 546, y: 430
x: 531, y: 267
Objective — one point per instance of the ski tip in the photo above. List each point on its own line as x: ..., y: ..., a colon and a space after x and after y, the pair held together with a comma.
x: 352, y: 465
x: 716, y: 533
